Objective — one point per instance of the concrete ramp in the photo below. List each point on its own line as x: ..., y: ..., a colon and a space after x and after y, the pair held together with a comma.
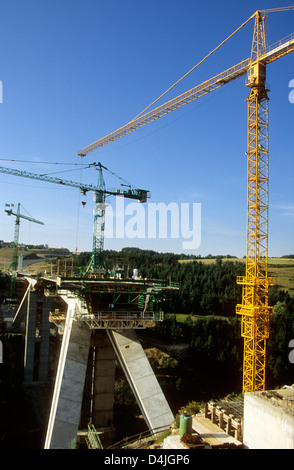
x: 141, y: 378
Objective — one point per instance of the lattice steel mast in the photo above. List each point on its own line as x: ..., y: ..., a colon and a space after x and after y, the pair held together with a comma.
x: 97, y: 260
x: 254, y: 309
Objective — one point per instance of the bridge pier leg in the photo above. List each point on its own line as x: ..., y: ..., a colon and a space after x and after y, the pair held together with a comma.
x: 69, y: 384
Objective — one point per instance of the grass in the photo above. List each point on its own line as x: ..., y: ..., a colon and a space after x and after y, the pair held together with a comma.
x: 6, y: 258
x: 282, y: 269
x: 284, y: 274
x: 181, y: 317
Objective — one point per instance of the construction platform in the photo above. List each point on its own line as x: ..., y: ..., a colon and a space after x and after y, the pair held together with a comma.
x: 107, y: 303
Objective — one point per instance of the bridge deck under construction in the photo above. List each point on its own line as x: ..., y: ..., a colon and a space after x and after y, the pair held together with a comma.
x: 106, y: 302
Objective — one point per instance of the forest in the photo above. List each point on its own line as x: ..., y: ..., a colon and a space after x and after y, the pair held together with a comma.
x: 202, y: 316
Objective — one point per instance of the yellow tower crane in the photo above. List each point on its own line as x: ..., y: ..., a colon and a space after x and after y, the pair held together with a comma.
x: 254, y: 309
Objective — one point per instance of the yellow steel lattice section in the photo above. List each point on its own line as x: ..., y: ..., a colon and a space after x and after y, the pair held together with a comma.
x: 254, y: 309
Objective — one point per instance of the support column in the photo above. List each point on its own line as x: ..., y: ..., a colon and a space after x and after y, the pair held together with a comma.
x: 69, y: 384
x: 45, y: 340
x: 104, y: 378
x: 141, y: 378
x: 29, y: 354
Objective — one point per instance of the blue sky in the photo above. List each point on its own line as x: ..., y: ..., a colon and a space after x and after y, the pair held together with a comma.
x: 74, y: 71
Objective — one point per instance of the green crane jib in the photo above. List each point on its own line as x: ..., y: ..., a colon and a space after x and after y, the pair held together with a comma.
x: 97, y: 261
x: 14, y: 262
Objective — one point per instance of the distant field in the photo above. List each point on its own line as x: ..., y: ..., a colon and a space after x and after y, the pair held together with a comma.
x: 282, y: 269
x: 6, y: 257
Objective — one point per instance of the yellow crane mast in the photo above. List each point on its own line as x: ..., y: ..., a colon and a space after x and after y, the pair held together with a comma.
x: 254, y: 309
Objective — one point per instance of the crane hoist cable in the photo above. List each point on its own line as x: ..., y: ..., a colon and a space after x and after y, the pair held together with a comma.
x: 193, y: 68
x: 271, y: 10
x: 78, y: 214
x: 65, y: 171
x: 40, y: 162
x: 125, y: 182
x: 219, y: 80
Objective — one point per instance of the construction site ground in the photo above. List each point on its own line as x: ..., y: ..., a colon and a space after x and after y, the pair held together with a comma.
x: 206, y: 434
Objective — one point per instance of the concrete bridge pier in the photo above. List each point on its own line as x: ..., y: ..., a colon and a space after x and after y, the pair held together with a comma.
x: 104, y: 378
x: 37, y: 338
x: 69, y: 383
x: 84, y: 384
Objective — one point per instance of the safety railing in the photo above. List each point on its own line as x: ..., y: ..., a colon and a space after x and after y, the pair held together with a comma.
x: 92, y: 438
x: 119, y: 319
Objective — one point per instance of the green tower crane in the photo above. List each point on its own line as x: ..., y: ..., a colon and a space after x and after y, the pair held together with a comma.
x: 97, y: 261
x: 14, y: 262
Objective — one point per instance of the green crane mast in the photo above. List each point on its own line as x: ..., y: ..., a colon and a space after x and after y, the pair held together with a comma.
x: 97, y: 260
